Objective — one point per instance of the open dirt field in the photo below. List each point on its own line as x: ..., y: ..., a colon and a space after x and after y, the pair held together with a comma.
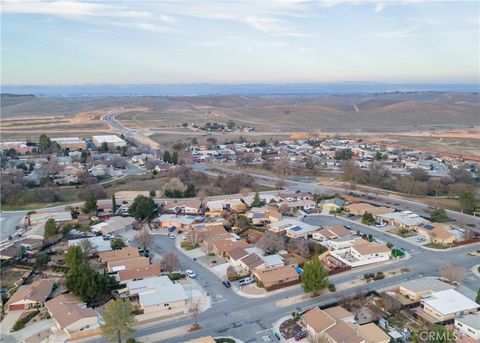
x: 434, y: 121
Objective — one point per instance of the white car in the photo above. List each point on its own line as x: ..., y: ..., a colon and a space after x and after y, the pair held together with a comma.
x: 171, y: 235
x: 190, y: 273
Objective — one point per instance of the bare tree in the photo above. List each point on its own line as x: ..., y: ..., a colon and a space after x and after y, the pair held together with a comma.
x: 201, y: 194
x: 170, y: 262
x: 175, y: 185
x: 231, y: 271
x: 143, y: 238
x: 390, y: 303
x: 195, y: 309
x: 270, y: 242
x: 245, y: 191
x: 87, y: 247
x: 452, y: 273
x: 468, y: 234
x: 280, y: 184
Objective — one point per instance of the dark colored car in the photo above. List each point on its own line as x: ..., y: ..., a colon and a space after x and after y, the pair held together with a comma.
x: 301, y: 335
x: 227, y: 283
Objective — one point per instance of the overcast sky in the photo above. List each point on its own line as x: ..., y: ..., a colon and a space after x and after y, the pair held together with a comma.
x: 124, y: 42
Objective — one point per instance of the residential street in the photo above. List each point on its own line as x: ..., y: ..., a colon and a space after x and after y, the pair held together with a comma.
x: 251, y: 319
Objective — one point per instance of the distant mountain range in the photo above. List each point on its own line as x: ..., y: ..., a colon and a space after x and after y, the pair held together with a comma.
x: 90, y: 90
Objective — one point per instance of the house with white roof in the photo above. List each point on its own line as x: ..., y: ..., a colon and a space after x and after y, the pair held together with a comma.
x: 109, y: 139
x: 469, y: 325
x: 98, y: 243
x: 159, y: 295
x: 404, y: 219
x: 446, y: 305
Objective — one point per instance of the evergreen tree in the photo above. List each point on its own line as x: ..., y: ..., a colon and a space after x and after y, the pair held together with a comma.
x: 114, y: 204
x: 314, y: 276
x: 90, y: 205
x: 142, y: 207
x: 174, y: 158
x: 118, y: 319
x: 257, y: 202
x: 44, y: 142
x: 166, y: 156
x: 50, y: 228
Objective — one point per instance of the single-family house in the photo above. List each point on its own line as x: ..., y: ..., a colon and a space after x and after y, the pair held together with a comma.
x: 337, y: 330
x: 362, y: 252
x: 114, y: 225
x: 138, y: 273
x: 360, y: 209
x: 373, y: 334
x: 179, y: 221
x: 277, y: 277
x: 293, y: 228
x: 446, y: 305
x: 469, y: 325
x: 332, y: 205
x: 98, y: 243
x: 31, y: 296
x: 423, y: 288
x: 331, y: 233
x: 73, y: 317
x: 404, y: 219
x: 159, y: 295
x: 436, y: 232
x: 121, y: 259
x: 305, y: 205
x: 182, y: 206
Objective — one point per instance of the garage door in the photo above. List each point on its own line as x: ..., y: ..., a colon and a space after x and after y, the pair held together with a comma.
x: 16, y: 307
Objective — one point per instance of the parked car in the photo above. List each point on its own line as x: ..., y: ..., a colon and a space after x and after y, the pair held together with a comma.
x: 380, y: 224
x: 301, y: 335
x: 420, y: 239
x: 348, y: 227
x: 190, y: 273
x: 246, y: 281
x: 171, y: 236
x: 350, y: 215
x: 227, y: 283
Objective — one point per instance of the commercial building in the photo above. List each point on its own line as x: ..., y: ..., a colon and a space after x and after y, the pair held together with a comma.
x: 109, y: 139
x: 71, y: 143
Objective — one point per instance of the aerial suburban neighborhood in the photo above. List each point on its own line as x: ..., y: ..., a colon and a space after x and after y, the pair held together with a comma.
x: 350, y: 266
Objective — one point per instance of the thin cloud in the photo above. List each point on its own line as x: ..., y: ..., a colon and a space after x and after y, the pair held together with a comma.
x: 404, y: 33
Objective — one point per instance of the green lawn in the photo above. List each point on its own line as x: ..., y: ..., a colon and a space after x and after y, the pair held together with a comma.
x: 189, y: 246
x: 437, y: 246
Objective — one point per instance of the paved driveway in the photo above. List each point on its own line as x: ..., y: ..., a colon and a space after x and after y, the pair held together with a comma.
x: 9, y: 320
